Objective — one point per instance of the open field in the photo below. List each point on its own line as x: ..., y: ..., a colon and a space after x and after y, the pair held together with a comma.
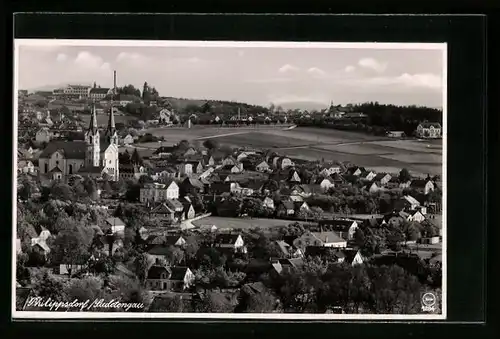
x: 309, y: 143
x: 241, y: 223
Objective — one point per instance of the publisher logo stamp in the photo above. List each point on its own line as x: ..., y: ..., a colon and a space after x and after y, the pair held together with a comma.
x: 428, y: 302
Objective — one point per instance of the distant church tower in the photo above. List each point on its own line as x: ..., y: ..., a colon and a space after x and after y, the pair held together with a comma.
x: 92, y: 140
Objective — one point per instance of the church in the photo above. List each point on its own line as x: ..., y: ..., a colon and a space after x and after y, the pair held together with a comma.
x: 95, y: 156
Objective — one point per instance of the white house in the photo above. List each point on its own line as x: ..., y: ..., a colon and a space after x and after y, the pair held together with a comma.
x: 325, y: 183
x: 43, y: 135
x: 416, y: 216
x: 25, y: 166
x: 429, y: 130
x: 159, y: 192
x: 116, y: 225
x: 230, y: 241
x: 128, y: 139
x: 268, y: 203
x: 320, y: 239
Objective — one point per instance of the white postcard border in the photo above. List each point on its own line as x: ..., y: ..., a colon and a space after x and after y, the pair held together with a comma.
x: 226, y: 316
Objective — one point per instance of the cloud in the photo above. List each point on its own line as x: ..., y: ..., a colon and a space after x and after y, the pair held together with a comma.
x: 241, y: 53
x: 288, y: 68
x: 349, y: 69
x: 420, y: 80
x: 370, y: 63
x: 88, y: 60
x: 126, y: 57
x: 316, y: 72
x: 61, y: 57
x: 268, y: 80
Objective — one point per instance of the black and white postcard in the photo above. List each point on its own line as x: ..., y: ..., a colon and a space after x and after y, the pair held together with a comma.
x: 229, y: 180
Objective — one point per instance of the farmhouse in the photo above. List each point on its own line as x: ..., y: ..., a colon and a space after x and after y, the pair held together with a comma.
x: 169, y: 278
x: 430, y: 130
x: 320, y: 239
x: 158, y: 192
x: 345, y: 228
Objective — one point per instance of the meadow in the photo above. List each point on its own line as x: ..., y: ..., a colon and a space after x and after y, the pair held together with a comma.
x: 241, y: 223
x: 309, y: 143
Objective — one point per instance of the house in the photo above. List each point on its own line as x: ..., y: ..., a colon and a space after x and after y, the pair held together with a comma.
x: 300, y: 206
x: 287, y: 265
x: 175, y: 205
x: 191, y: 185
x: 263, y: 166
x: 327, y: 171
x: 372, y: 187
x: 429, y: 240
x: 267, y: 202
x: 188, y: 211
x: 232, y: 168
x: 132, y: 171
x: 357, y: 171
x: 416, y: 216
x: 367, y: 176
x: 425, y: 186
x: 286, y: 208
x: 25, y: 166
x: 352, y: 257
x: 209, y: 228
x: 410, y: 202
x: 169, y: 278
x: 98, y: 93
x: 320, y: 239
x: 345, y: 228
x: 382, y: 178
x: 185, y: 168
x: 395, y: 134
x: 157, y: 192
x: 116, y: 225
x: 429, y: 130
x: 244, y: 155
x: 128, y: 139
x: 163, y: 211
x: 230, y: 241
x: 43, y: 135
x: 282, y: 162
x: 325, y: 183
x: 40, y: 247
x: 206, y: 173
x: 338, y: 179
x: 209, y: 160
x: 288, y: 250
x: 294, y: 177
x: 229, y: 161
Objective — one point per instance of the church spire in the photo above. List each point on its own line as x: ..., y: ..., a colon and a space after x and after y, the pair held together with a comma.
x: 93, y: 121
x: 111, y: 123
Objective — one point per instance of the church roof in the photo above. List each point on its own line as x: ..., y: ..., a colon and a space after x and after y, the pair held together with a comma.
x: 72, y: 150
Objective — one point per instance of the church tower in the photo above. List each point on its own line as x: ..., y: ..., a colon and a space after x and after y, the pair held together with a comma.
x: 111, y: 134
x: 92, y: 140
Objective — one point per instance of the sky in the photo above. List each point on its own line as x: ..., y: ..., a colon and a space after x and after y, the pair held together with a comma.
x: 245, y: 74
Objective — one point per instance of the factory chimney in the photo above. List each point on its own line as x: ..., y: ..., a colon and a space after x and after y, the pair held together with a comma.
x: 114, y: 82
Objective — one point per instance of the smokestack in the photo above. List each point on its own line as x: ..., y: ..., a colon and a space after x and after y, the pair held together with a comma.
x: 114, y: 80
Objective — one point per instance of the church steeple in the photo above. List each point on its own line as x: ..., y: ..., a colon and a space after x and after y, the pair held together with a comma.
x: 92, y: 141
x: 93, y: 121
